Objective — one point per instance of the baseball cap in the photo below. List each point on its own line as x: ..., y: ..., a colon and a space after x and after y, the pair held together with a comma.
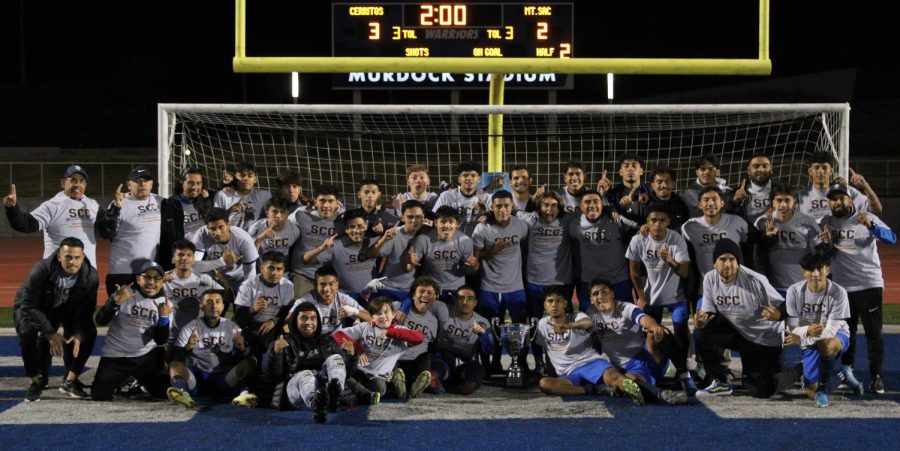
x: 74, y: 169
x: 152, y: 266
x: 140, y: 172
x: 837, y: 188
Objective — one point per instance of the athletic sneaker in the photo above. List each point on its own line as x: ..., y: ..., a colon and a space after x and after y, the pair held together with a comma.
x: 849, y: 380
x: 673, y: 397
x: 179, y: 396
x: 34, y: 392
x: 398, y: 381
x: 334, y: 395
x: 74, y: 388
x: 420, y: 384
x: 632, y: 389
x: 689, y: 387
x: 375, y: 398
x: 821, y: 399
x: 877, y: 385
x: 319, y: 404
x: 717, y: 388
x: 245, y: 399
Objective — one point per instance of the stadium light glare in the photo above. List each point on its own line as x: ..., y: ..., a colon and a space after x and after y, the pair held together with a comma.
x: 295, y: 85
x: 609, y: 86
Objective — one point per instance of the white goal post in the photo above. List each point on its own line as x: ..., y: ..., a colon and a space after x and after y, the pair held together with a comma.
x: 342, y: 144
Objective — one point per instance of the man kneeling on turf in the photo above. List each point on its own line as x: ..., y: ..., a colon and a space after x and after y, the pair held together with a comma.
x: 305, y: 361
x: 211, y: 357
x: 620, y: 327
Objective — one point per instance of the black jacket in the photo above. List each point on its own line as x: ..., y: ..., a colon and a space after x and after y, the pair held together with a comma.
x: 33, y: 308
x: 172, y: 225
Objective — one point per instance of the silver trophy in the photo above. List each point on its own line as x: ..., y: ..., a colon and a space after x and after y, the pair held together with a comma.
x: 516, y: 339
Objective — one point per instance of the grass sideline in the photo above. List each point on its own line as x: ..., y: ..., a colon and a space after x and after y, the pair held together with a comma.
x: 891, y: 315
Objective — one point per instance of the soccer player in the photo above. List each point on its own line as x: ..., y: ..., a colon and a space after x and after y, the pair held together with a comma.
x: 183, y: 287
x: 138, y: 325
x: 857, y: 267
x: 466, y: 199
x: 211, y: 358
x: 600, y: 239
x: 334, y: 306
x: 182, y: 214
x: 788, y: 236
x: 275, y: 232
x: 70, y: 213
x: 740, y: 311
x: 707, y: 170
x: 753, y: 202
x: 664, y: 254
x: 375, y: 214
x: 463, y: 335
x: 715, y: 225
x: 445, y: 254
x: 418, y: 181
x: 59, y: 290
x: 309, y: 367
x: 625, y: 197
x: 497, y: 245
x: 348, y: 255
x: 393, y: 246
x: 574, y: 178
x: 220, y: 240
x: 426, y: 316
x: 289, y: 189
x: 639, y: 360
x: 663, y: 183
x: 244, y: 201
x: 132, y: 224
x: 520, y: 181
x: 816, y: 312
x: 262, y: 303
x: 314, y: 230
x: 378, y: 345
x: 813, y: 201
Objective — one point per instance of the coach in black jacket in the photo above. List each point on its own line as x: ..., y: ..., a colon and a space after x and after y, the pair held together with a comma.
x: 60, y: 290
x: 173, y: 219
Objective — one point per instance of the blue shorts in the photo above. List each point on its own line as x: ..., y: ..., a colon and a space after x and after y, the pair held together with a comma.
x: 212, y: 384
x: 679, y: 311
x: 491, y: 304
x: 591, y: 372
x: 645, y: 366
x: 622, y: 293
x: 811, y: 359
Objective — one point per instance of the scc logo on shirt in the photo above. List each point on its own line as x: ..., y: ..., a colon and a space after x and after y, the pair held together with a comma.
x: 595, y: 235
x: 554, y: 337
x: 184, y: 292
x: 445, y: 255
x: 728, y: 300
x: 321, y: 230
x: 214, y: 340
x: 548, y: 232
x: 80, y: 213
x: 460, y: 332
x: 142, y: 312
x: 276, y: 243
x: 505, y: 240
x: 607, y: 326
x: 149, y: 208
x: 813, y: 308
x: 713, y: 237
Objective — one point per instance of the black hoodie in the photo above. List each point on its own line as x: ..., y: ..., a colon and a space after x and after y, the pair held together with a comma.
x: 302, y: 353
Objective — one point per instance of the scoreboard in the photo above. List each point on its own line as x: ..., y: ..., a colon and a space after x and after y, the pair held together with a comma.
x: 453, y: 30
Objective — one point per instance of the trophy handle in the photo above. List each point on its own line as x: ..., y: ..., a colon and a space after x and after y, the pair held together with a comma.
x: 495, y: 329
x: 532, y: 331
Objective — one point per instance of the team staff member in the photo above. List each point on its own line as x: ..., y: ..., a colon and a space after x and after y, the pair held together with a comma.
x: 59, y: 290
x: 182, y: 214
x: 68, y: 214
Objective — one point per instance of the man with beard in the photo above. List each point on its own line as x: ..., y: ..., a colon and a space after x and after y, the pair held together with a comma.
x: 813, y: 201
x: 857, y: 267
x: 182, y: 214
x: 462, y: 336
x: 335, y: 308
x: 70, y: 213
x: 520, y: 181
x: 244, y: 201
x: 753, y: 201
x: 138, y: 325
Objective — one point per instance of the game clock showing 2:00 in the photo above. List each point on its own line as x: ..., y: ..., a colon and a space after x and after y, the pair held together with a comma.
x: 460, y: 30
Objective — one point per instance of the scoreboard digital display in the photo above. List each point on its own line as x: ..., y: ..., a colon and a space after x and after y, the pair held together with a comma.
x: 460, y: 30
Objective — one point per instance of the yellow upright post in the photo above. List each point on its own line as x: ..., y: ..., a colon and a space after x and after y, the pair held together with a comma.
x: 495, y: 125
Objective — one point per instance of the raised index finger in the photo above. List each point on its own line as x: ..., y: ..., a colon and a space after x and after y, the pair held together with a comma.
x: 743, y: 183
x: 12, y: 189
x: 119, y: 189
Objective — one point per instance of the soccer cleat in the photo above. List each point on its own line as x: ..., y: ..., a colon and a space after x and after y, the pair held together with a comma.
x: 181, y: 397
x: 245, y: 399
x: 717, y: 388
x: 398, y: 381
x: 334, y: 395
x: 375, y: 398
x: 74, y: 388
x: 689, y: 387
x: 633, y: 391
x: 34, y: 392
x: 821, y: 399
x: 877, y: 385
x: 420, y: 384
x: 848, y: 379
x: 319, y: 405
x: 673, y: 397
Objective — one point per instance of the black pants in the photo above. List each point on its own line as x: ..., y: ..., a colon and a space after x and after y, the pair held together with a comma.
x: 760, y: 363
x: 36, y: 349
x: 866, y: 305
x: 114, y: 371
x: 677, y: 348
x: 413, y: 368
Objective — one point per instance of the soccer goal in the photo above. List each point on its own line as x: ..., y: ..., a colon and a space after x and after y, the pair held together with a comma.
x: 342, y: 144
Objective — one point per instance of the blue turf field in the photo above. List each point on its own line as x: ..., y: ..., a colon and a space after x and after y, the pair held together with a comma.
x: 224, y: 426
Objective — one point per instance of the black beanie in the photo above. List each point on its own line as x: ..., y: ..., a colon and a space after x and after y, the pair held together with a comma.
x: 726, y: 246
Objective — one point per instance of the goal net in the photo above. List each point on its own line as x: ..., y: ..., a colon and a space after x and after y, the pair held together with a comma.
x: 342, y: 144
